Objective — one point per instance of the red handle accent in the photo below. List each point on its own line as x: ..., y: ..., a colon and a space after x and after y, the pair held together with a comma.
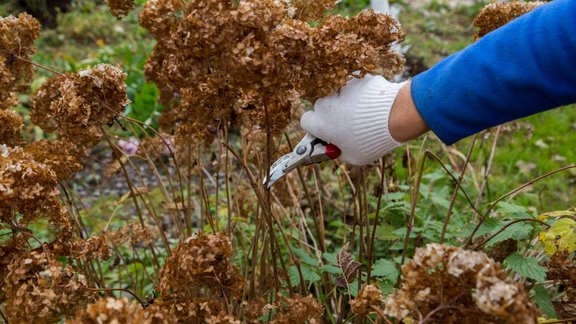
x: 332, y: 151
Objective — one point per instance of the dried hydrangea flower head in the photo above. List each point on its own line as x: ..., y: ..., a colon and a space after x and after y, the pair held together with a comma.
x: 41, y: 115
x: 498, y: 14
x: 10, y: 249
x: 88, y: 100
x: 27, y: 187
x: 217, y: 60
x: 200, y: 261
x: 120, y: 8
x: 111, y: 310
x: 40, y: 289
x: 7, y: 82
x: 63, y: 157
x: 298, y: 309
x: 77, y: 106
x: 17, y: 35
x: 368, y: 298
x: 440, y: 273
x: 198, y: 310
x: 10, y: 131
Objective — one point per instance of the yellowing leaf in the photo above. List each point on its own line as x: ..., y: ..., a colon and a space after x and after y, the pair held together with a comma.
x: 557, y: 214
x: 560, y: 237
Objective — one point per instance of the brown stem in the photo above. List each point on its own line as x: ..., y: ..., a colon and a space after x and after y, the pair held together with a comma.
x: 415, y: 193
x: 382, y: 191
x: 380, y: 314
x: 143, y: 304
x: 488, y: 168
x: 37, y: 64
x: 455, y: 193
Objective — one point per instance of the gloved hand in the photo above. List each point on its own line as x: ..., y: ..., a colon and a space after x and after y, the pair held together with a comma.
x: 356, y: 119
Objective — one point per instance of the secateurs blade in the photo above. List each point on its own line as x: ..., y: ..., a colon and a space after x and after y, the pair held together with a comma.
x: 310, y: 150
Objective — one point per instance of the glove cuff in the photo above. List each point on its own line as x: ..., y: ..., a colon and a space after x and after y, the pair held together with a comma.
x: 372, y: 115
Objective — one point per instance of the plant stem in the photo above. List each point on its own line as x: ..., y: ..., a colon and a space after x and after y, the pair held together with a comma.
x: 382, y: 190
x: 120, y: 289
x: 455, y: 193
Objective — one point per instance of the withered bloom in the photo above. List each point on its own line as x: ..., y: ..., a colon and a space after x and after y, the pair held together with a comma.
x: 40, y: 289
x: 10, y: 130
x: 498, y: 14
x: 468, y: 279
x: 17, y: 35
x: 201, y: 261
x: 216, y: 60
x: 120, y: 8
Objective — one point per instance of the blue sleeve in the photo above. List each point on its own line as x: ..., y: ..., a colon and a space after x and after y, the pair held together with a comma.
x: 525, y: 67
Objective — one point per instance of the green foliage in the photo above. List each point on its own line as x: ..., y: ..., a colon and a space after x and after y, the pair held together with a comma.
x: 526, y: 266
x: 386, y: 269
x: 542, y: 298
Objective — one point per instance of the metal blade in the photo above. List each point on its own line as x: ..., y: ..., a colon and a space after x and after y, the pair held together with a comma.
x: 277, y: 170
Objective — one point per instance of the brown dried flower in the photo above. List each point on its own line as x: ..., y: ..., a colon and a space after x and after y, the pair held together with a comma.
x: 200, y: 261
x: 17, y: 35
x: 498, y: 14
x: 10, y: 250
x: 26, y: 187
x: 368, y: 298
x: 11, y: 123
x: 199, y: 310
x: 88, y: 100
x: 309, y: 10
x: 298, y: 310
x: 40, y: 289
x: 120, y: 8
x: 41, y: 115
x: 256, y: 58
x: 61, y: 156
x: 441, y: 274
x: 111, y: 310
x: 7, y: 81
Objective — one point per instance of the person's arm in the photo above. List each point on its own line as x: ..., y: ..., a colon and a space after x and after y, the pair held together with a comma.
x: 522, y: 68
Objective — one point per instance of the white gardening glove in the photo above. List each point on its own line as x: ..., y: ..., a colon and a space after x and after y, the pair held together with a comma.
x: 356, y: 119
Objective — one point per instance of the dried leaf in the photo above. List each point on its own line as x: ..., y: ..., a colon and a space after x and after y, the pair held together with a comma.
x: 348, y: 265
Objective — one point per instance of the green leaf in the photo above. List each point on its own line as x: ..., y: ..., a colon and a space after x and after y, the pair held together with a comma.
x: 526, y: 267
x: 307, y: 274
x: 330, y: 269
x: 387, y: 288
x: 393, y: 196
x: 386, y: 232
x: 561, y: 236
x: 508, y: 208
x: 385, y: 269
x: 305, y: 257
x: 490, y: 225
x: 353, y: 288
x: 330, y: 257
x: 517, y: 231
x: 544, y: 301
x: 294, y: 276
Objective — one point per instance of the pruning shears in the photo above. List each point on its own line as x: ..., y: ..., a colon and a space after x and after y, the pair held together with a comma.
x: 308, y: 151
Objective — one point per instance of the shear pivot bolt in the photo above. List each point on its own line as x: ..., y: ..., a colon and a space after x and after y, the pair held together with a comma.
x: 301, y: 150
